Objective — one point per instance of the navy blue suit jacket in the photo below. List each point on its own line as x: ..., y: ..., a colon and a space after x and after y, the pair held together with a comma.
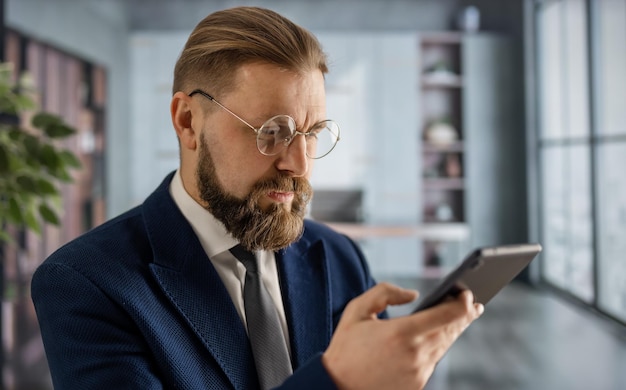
x: 135, y: 303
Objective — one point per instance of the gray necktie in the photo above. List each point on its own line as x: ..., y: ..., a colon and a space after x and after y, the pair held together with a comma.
x: 270, y: 352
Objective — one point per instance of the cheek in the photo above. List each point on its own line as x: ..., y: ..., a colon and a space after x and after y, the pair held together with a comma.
x: 239, y: 172
x: 238, y: 163
x: 231, y: 176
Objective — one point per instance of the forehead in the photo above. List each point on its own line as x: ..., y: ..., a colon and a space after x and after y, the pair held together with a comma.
x: 265, y: 90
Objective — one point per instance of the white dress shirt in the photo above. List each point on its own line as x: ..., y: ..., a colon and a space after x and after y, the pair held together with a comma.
x: 216, y: 242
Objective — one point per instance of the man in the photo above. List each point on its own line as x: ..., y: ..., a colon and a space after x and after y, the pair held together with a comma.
x: 158, y: 297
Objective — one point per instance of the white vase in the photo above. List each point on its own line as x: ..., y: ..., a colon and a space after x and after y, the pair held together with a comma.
x: 441, y: 133
x: 469, y: 19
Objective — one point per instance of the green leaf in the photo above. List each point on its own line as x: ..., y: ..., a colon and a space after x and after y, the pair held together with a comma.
x: 32, y: 222
x: 32, y: 144
x: 49, y: 158
x: 43, y: 119
x: 48, y: 214
x: 52, y: 125
x: 46, y: 188
x: 27, y: 184
x: 4, y: 160
x: 7, y: 106
x: 15, y: 134
x: 63, y: 175
x: 70, y: 159
x: 58, y: 131
x: 23, y: 102
x: 15, y: 212
x: 32, y: 163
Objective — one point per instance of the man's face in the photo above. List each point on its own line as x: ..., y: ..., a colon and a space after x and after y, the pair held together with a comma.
x: 260, y: 199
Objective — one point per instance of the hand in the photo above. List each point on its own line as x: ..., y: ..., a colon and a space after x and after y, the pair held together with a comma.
x: 399, y: 353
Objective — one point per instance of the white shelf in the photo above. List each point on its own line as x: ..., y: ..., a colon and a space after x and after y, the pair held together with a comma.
x: 428, y: 231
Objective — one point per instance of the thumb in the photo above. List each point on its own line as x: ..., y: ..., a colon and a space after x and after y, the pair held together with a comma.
x: 375, y: 300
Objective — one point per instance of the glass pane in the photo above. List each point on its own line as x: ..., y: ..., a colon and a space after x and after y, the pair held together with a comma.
x: 611, y: 67
x: 576, y: 91
x: 563, y: 67
x: 580, y: 222
x: 567, y: 220
x: 554, y: 217
x: 550, y: 68
x: 611, y: 206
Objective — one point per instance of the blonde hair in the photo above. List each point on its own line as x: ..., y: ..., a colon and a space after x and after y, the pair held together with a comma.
x: 227, y: 39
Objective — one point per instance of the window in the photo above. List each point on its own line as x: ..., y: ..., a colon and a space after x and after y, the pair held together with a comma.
x: 610, y: 152
x: 581, y: 74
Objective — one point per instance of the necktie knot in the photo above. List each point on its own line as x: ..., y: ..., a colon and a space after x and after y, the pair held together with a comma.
x: 246, y: 258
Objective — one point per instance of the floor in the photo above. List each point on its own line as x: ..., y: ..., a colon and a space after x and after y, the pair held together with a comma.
x: 531, y: 339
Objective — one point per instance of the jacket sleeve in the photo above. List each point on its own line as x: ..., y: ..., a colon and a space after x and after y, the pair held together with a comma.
x: 311, y: 376
x: 90, y: 342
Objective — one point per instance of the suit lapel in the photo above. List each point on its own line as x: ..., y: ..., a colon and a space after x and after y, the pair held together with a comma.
x: 194, y: 287
x: 306, y: 297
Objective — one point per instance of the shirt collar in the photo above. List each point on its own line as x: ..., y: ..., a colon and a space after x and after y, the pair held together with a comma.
x: 211, y: 232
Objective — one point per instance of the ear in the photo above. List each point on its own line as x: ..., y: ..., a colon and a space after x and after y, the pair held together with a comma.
x: 180, y: 110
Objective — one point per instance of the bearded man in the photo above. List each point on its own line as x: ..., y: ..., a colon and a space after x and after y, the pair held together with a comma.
x: 217, y: 281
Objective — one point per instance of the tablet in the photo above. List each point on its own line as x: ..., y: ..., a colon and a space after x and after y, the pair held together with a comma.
x: 485, y: 271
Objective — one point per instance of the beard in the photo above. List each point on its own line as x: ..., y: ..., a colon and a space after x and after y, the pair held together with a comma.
x: 256, y: 229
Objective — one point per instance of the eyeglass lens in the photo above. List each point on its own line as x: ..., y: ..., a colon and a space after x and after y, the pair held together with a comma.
x: 277, y: 132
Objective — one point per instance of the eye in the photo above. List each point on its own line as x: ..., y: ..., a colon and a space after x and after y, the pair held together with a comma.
x: 270, y: 129
x: 280, y: 127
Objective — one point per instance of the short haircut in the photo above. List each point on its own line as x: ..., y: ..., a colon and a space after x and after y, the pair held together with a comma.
x: 225, y: 40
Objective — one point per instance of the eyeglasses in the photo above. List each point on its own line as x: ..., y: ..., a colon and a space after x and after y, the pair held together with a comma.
x: 279, y: 131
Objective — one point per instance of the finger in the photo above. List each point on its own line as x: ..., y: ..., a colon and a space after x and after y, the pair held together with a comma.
x: 468, y: 300
x: 460, y: 309
x: 376, y: 299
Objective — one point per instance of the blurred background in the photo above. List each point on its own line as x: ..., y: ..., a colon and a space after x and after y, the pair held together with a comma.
x: 464, y: 124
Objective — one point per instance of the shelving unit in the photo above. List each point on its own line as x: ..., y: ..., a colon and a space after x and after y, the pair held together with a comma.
x: 442, y: 131
x: 469, y: 166
x: 442, y: 143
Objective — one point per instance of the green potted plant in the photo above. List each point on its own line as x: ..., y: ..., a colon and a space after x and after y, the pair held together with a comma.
x: 33, y: 162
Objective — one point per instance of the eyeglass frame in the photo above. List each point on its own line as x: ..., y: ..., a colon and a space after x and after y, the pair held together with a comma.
x: 294, y: 133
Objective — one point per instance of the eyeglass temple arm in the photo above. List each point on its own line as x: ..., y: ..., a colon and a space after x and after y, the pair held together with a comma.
x: 211, y: 98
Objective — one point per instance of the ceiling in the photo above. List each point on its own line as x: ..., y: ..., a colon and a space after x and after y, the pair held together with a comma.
x: 312, y: 14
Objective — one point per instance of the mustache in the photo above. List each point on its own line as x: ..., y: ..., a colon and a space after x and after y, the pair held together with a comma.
x: 283, y: 184
x: 299, y: 186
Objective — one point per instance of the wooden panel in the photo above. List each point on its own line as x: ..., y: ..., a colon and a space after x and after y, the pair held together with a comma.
x: 99, y: 86
x: 12, y: 50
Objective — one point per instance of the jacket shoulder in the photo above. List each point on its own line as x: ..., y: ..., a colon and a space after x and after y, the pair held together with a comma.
x: 113, y: 239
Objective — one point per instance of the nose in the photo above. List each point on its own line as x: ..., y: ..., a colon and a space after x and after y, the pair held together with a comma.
x: 293, y: 160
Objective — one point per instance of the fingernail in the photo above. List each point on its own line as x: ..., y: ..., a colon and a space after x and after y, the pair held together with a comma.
x: 480, y: 308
